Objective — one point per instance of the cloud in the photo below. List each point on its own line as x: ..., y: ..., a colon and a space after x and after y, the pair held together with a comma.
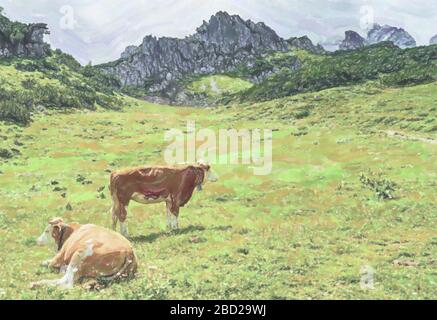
x: 101, y: 29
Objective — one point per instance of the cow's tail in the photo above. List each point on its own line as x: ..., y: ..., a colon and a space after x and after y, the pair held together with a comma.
x: 113, y: 183
x: 127, y: 270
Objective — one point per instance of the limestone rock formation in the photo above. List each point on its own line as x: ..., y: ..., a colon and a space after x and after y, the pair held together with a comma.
x: 352, y: 41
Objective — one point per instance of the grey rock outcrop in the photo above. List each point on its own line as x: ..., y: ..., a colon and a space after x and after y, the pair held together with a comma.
x: 433, y: 40
x: 398, y: 36
x: 219, y: 45
x: 306, y: 44
x: 352, y: 41
x: 22, y: 40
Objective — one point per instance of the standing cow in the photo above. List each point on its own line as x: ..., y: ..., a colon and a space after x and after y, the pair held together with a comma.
x: 146, y: 185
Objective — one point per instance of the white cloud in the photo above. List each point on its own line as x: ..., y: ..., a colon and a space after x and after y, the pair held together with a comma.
x: 105, y: 27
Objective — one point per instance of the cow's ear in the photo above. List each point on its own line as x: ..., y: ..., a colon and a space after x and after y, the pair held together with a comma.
x: 56, y: 232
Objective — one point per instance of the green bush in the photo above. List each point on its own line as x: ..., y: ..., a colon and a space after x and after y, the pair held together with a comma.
x: 383, y: 188
x: 15, y: 107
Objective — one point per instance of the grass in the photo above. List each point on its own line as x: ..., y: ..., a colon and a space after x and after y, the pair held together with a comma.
x: 303, y: 232
x: 217, y: 85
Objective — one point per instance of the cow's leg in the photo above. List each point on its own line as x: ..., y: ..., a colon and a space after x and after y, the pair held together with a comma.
x: 115, y: 211
x: 67, y: 281
x: 114, y: 218
x: 174, y: 222
x: 73, y: 271
x: 169, y: 214
x: 123, y: 223
x: 123, y: 229
x: 175, y: 217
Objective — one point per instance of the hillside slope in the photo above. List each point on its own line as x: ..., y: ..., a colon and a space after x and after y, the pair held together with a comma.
x: 57, y: 81
x: 384, y: 62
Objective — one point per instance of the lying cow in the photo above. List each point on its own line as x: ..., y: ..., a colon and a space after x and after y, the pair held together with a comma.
x: 87, y: 252
x: 147, y: 185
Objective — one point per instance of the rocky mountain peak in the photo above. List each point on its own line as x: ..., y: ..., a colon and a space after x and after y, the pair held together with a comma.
x: 231, y: 32
x: 433, y: 40
x: 398, y: 36
x: 352, y: 41
x: 220, y: 44
x: 306, y: 44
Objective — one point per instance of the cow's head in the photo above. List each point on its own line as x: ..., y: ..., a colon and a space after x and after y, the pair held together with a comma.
x: 209, y: 174
x: 55, y: 234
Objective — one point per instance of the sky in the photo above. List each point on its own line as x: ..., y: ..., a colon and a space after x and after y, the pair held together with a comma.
x: 98, y: 31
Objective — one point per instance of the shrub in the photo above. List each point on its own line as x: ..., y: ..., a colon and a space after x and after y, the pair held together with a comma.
x: 15, y: 106
x: 383, y: 188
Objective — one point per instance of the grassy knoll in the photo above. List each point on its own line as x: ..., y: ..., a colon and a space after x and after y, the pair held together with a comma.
x: 304, y: 231
x: 217, y: 85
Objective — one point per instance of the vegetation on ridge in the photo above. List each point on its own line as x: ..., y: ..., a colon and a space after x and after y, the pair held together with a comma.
x: 384, y: 62
x: 55, y: 82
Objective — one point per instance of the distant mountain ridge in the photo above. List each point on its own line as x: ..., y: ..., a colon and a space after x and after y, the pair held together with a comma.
x: 219, y: 45
x: 398, y: 36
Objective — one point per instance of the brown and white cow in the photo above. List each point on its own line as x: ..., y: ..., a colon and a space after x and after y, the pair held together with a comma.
x: 146, y: 185
x: 86, y: 252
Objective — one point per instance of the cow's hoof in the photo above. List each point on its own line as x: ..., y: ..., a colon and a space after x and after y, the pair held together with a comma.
x: 45, y: 263
x: 91, y: 285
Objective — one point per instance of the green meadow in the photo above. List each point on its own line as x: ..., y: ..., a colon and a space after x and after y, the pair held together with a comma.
x: 305, y: 231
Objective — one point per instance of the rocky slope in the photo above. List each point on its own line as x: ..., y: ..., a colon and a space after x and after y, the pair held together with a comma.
x: 22, y: 40
x: 398, y: 36
x: 433, y: 40
x: 219, y: 45
x: 306, y: 44
x: 352, y: 41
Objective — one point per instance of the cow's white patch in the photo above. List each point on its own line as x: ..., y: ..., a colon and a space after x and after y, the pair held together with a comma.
x: 63, y: 269
x: 168, y: 221
x: 123, y: 229
x: 67, y: 281
x: 46, y: 239
x: 89, y: 249
x: 174, y: 222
